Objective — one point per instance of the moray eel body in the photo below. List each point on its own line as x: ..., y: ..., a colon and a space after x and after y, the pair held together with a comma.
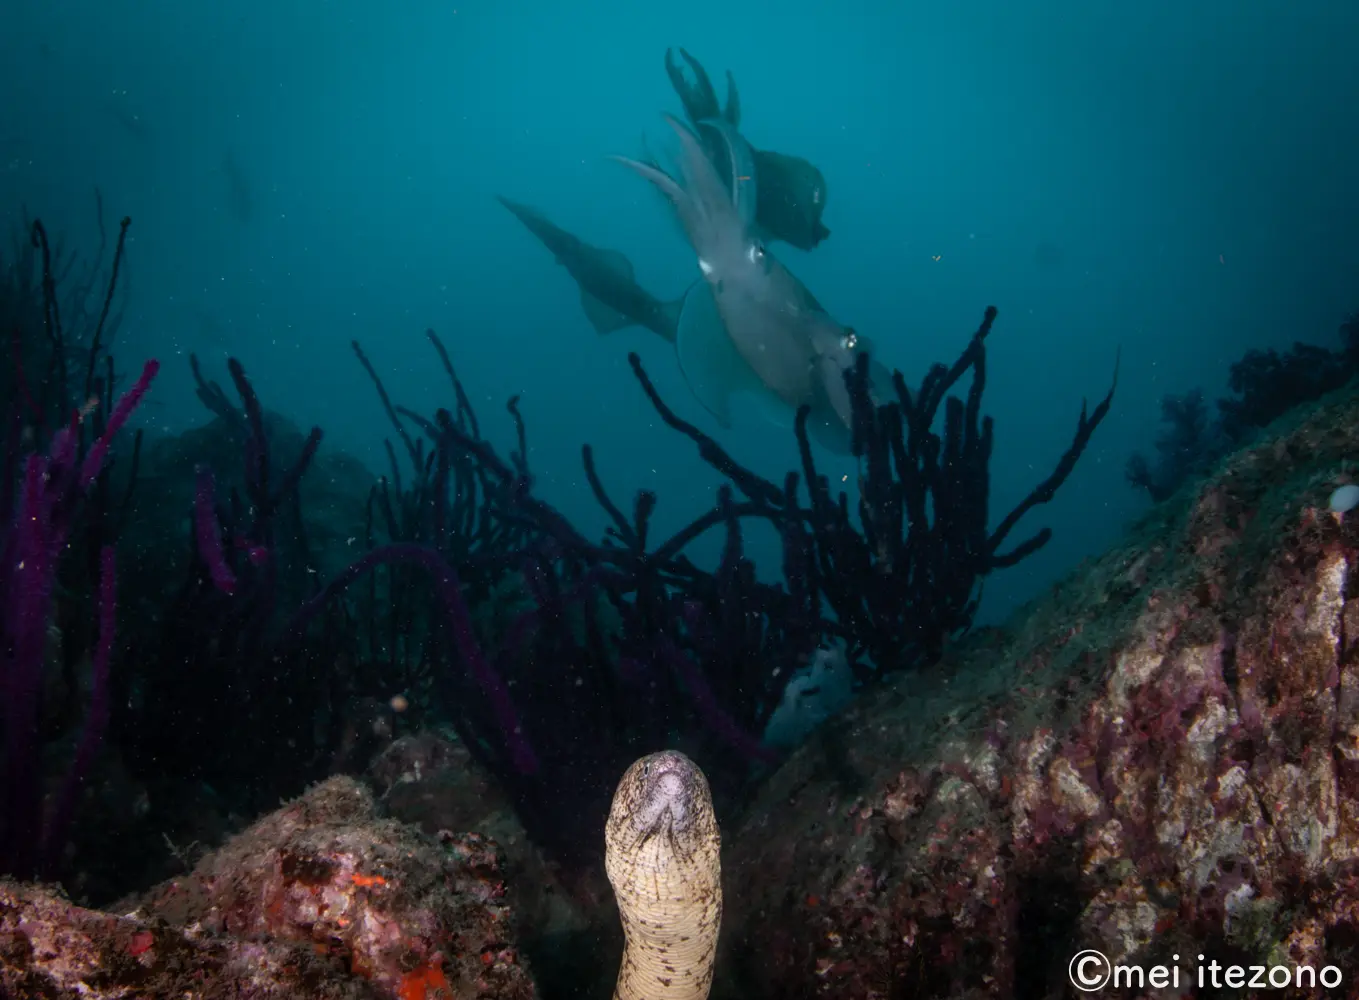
x: 662, y: 850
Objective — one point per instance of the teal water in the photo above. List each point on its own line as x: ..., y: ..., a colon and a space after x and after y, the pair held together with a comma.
x: 1177, y: 182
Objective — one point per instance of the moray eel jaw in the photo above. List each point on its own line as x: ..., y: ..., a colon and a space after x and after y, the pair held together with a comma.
x: 662, y: 856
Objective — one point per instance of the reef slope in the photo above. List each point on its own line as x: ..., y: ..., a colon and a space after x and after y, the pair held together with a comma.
x: 1158, y: 758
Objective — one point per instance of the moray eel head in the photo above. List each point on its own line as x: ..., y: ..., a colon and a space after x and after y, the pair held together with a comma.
x: 666, y: 798
x: 662, y: 856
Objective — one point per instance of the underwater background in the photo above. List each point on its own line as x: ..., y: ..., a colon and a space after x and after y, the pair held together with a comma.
x: 1175, y: 182
x: 1158, y: 199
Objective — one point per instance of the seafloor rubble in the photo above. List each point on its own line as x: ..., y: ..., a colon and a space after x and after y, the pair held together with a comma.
x: 1159, y: 758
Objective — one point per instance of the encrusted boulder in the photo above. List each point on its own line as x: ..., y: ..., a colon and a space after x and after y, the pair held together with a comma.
x: 413, y: 914
x: 1158, y: 760
x: 564, y: 919
x: 53, y: 949
x: 321, y: 898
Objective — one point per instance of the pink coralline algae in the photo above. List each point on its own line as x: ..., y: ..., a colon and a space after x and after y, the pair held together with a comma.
x: 1159, y: 760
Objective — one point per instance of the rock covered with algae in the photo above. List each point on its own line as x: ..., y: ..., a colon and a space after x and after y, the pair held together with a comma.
x: 321, y: 898
x: 52, y: 948
x: 1158, y: 760
x: 431, y: 781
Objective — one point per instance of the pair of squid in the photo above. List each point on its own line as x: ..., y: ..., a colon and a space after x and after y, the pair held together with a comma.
x: 747, y: 324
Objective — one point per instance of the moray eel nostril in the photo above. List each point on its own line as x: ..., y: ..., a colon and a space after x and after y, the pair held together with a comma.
x: 662, y: 849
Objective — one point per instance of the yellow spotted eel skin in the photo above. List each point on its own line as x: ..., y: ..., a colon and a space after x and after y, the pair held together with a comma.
x: 662, y: 851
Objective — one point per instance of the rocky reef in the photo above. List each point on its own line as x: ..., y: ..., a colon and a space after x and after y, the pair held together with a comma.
x: 195, y: 625
x: 319, y: 899
x: 1157, y: 761
x: 1158, y: 758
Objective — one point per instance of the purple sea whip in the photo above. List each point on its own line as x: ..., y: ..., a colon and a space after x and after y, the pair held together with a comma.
x: 54, y: 488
